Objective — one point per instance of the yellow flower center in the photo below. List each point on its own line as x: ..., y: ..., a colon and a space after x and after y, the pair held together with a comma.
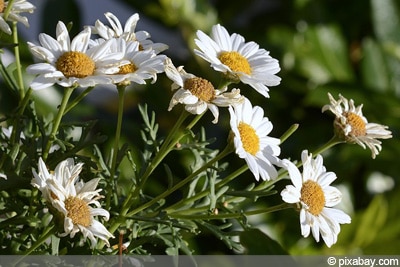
x: 2, y: 6
x: 128, y: 68
x: 250, y: 140
x: 75, y: 64
x: 201, y: 88
x: 357, y: 124
x: 313, y: 196
x: 235, y: 61
x: 78, y: 210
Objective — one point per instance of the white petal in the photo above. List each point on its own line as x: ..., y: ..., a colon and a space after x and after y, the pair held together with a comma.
x: 290, y: 194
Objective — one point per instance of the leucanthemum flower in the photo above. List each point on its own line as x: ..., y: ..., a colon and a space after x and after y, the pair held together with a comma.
x: 239, y: 60
x: 351, y: 126
x: 70, y: 63
x: 198, y: 94
x: 73, y: 199
x: 312, y: 192
x: 135, y: 65
x: 19, y: 6
x: 127, y: 32
x: 250, y: 129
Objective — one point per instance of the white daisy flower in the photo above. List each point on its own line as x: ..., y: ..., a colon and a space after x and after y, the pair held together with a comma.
x: 315, y: 197
x: 135, y: 65
x: 198, y: 94
x: 70, y: 63
x: 251, y: 140
x: 239, y: 60
x: 18, y: 6
x: 127, y: 32
x: 352, y: 127
x: 72, y: 199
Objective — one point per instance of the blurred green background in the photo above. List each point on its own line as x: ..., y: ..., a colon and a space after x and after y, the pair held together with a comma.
x: 336, y: 46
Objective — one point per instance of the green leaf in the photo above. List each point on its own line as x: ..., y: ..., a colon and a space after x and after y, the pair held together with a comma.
x: 386, y: 20
x: 321, y: 54
x: 374, y: 67
x: 386, y: 24
x: 372, y: 221
x: 258, y: 243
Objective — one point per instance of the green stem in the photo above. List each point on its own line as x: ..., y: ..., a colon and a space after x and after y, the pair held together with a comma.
x: 51, y: 229
x: 289, y: 132
x: 110, y: 185
x: 202, y: 194
x: 189, y: 178
x: 332, y: 142
x: 20, y: 79
x: 8, y: 8
x: 78, y: 99
x: 57, y: 120
x: 126, y: 206
x: 168, y: 144
x: 20, y: 110
x: 234, y: 215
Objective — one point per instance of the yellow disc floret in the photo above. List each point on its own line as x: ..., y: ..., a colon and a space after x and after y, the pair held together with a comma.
x: 75, y: 64
x: 201, y: 88
x: 249, y: 137
x: 357, y: 124
x: 78, y: 210
x: 313, y: 196
x: 235, y: 61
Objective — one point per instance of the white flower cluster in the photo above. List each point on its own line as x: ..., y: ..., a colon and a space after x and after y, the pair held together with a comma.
x: 117, y: 56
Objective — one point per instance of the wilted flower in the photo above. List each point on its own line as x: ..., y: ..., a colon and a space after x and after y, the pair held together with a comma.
x: 352, y: 127
x: 72, y: 199
x: 198, y: 94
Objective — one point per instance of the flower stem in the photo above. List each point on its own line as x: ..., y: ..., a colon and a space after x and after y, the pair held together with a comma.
x: 51, y: 229
x: 111, y: 185
x: 8, y: 8
x: 189, y: 178
x: 78, y: 99
x: 332, y: 142
x: 289, y: 132
x: 168, y: 144
x: 126, y: 205
x: 57, y: 120
x: 234, y: 215
x: 20, y: 79
x: 202, y: 194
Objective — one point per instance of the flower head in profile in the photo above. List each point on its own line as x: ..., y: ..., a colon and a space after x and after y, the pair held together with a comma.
x: 128, y: 32
x: 70, y: 63
x: 18, y: 6
x: 72, y: 199
x: 135, y: 65
x: 239, y: 60
x: 250, y: 136
x: 352, y: 127
x: 198, y: 94
x: 315, y: 197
